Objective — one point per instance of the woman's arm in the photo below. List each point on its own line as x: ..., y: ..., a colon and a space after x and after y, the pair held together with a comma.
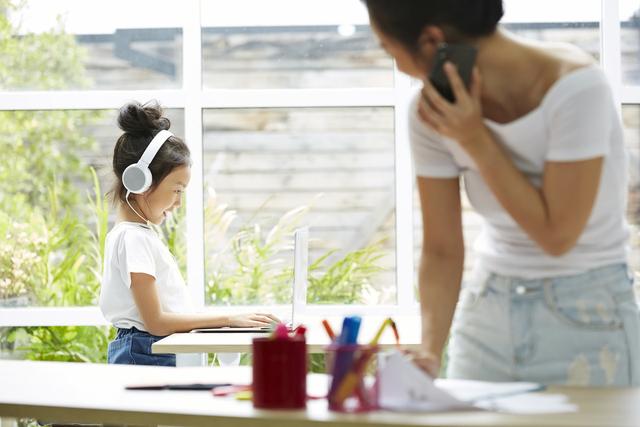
x: 158, y: 322
x: 442, y: 261
x: 553, y: 216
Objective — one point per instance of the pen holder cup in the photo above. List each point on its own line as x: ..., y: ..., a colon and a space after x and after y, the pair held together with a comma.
x: 279, y: 373
x: 353, y: 386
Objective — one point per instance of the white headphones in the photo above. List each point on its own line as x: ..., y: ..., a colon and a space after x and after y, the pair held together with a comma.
x: 137, y: 178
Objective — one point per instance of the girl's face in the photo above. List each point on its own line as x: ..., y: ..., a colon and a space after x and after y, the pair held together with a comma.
x: 166, y: 196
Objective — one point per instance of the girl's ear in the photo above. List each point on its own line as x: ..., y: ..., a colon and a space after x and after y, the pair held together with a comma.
x: 430, y: 37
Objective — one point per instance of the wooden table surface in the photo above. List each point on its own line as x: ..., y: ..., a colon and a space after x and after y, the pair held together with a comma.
x: 94, y: 393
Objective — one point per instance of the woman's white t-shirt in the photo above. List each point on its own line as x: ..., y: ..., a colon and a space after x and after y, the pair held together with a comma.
x: 135, y: 248
x: 576, y: 120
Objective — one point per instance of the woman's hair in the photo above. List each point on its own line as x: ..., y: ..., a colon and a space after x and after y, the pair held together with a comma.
x: 140, y: 123
x: 404, y: 20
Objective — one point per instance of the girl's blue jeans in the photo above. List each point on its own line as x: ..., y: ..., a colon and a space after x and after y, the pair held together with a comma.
x: 133, y: 347
x: 577, y: 330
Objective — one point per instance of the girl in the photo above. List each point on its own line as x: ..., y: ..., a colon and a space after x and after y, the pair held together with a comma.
x: 143, y: 294
x: 538, y: 141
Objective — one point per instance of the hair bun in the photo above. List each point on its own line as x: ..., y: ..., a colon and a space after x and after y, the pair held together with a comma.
x: 142, y: 119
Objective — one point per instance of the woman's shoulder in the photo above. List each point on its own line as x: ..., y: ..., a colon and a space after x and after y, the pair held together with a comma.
x: 570, y: 70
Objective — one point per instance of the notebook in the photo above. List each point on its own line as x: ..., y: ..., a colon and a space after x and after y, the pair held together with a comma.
x: 298, y: 291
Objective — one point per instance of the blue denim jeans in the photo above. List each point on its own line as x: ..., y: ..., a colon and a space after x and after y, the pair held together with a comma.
x: 133, y: 347
x: 577, y: 330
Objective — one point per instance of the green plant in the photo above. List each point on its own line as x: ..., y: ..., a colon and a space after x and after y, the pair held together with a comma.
x: 22, y: 246
x: 254, y: 261
x: 49, y: 231
x: 72, y: 260
x: 344, y: 281
x: 252, y: 268
x: 173, y: 232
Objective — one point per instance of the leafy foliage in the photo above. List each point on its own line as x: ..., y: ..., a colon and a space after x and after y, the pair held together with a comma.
x: 43, y: 216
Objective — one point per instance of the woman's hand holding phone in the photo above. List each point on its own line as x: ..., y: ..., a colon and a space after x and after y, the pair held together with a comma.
x: 461, y: 120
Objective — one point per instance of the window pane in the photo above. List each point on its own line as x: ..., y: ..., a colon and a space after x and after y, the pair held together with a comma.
x: 299, y: 49
x: 50, y: 250
x: 631, y: 120
x: 268, y: 171
x: 62, y: 44
x: 568, y: 21
x: 630, y: 34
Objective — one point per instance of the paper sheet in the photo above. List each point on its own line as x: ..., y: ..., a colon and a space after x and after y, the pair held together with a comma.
x: 405, y: 387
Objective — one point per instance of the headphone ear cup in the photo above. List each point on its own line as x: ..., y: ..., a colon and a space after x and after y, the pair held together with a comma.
x: 136, y: 178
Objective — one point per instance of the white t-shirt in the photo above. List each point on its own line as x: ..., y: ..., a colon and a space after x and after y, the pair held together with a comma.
x: 135, y: 248
x: 576, y: 120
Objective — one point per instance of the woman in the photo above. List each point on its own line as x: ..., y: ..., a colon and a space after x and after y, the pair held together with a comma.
x: 537, y: 139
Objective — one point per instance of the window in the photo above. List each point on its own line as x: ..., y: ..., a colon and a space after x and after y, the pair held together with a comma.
x: 268, y: 171
x: 99, y: 44
x: 281, y: 110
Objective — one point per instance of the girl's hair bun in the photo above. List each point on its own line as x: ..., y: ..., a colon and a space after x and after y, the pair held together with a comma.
x: 142, y: 119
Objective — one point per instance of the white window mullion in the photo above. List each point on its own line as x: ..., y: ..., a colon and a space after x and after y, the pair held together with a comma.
x: 192, y: 84
x: 85, y: 100
x: 610, y: 57
x: 219, y: 98
x: 284, y: 98
x: 404, y: 195
x: 52, y: 316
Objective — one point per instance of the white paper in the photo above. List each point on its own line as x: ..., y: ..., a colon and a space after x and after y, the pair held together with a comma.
x: 405, y: 387
x: 472, y: 391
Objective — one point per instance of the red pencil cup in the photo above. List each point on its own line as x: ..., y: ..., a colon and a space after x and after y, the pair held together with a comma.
x: 280, y: 373
x: 353, y: 387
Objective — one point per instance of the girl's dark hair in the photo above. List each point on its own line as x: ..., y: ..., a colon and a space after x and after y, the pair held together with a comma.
x: 140, y: 123
x: 404, y: 20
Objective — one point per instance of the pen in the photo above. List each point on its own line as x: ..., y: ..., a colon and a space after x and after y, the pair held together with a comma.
x: 344, y: 355
x: 281, y: 332
x: 350, y: 329
x: 378, y: 334
x: 329, y: 329
x: 396, y: 334
x: 352, y: 377
x: 230, y: 389
x: 193, y: 386
x: 300, y: 331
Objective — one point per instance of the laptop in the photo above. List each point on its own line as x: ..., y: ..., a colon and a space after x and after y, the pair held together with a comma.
x: 298, y: 291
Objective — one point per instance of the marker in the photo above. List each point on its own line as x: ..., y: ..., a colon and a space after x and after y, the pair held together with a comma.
x: 300, y: 331
x: 378, y: 334
x: 344, y: 356
x: 194, y: 386
x: 231, y: 389
x: 281, y: 332
x: 354, y: 376
x: 350, y: 329
x: 329, y: 329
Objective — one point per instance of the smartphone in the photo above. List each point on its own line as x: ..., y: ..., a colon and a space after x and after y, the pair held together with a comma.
x: 462, y: 56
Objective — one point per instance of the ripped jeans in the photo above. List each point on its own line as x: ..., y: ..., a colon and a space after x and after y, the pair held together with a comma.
x: 576, y: 330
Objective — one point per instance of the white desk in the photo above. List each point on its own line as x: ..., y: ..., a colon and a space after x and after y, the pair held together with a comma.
x: 317, y: 340
x: 85, y: 393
